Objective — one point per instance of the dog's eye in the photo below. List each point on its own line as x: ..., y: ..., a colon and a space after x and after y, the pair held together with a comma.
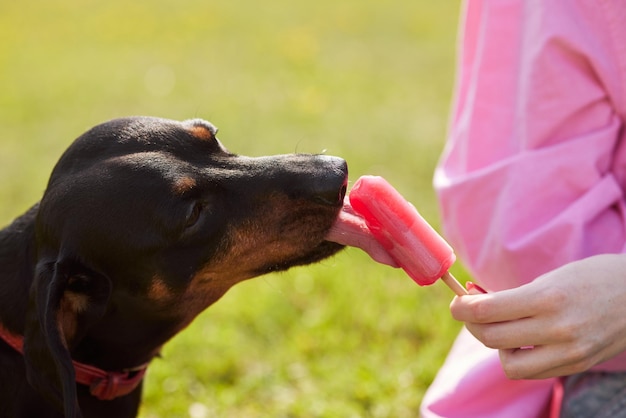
x: 194, y: 215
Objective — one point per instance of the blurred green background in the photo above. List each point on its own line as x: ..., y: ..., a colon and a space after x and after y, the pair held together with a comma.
x: 363, y: 79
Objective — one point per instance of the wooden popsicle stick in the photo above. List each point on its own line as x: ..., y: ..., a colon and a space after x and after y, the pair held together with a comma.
x: 454, y: 284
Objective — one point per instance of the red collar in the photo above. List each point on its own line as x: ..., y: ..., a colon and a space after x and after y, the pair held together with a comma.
x: 103, y: 385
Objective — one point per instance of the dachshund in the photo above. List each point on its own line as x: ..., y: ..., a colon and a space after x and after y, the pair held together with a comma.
x: 144, y: 223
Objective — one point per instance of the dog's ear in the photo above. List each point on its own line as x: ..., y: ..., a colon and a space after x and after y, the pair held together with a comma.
x: 66, y: 298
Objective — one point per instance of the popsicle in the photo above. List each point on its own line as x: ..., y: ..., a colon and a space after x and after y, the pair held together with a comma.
x: 413, y: 244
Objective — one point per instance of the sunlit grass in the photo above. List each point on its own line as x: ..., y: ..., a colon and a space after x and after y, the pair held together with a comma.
x: 365, y: 80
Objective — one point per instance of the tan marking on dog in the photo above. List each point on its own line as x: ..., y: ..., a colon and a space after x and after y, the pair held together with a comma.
x: 184, y: 185
x: 72, y: 304
x: 201, y: 132
x: 77, y: 302
x: 159, y: 291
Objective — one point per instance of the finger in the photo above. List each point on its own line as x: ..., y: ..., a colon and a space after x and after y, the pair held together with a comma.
x: 542, y: 362
x: 508, y: 335
x: 533, y: 331
x: 507, y: 305
x: 556, y: 359
x: 539, y: 362
x: 474, y: 289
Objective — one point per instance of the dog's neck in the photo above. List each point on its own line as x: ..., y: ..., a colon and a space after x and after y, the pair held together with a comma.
x: 114, y: 351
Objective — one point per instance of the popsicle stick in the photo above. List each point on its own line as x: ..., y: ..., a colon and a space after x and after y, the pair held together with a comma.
x: 453, y: 284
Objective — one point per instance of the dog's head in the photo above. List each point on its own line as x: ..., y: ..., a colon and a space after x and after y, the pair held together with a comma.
x: 145, y: 222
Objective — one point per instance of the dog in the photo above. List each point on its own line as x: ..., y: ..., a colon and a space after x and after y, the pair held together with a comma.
x: 145, y: 222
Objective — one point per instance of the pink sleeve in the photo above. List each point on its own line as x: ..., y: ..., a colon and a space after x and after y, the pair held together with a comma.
x: 534, y: 172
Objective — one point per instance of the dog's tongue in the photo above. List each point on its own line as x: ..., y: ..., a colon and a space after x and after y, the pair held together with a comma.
x: 350, y: 229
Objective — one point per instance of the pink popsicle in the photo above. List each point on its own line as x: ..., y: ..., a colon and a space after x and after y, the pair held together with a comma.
x: 421, y: 252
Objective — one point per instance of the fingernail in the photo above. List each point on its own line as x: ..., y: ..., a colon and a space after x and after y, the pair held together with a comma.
x: 473, y: 286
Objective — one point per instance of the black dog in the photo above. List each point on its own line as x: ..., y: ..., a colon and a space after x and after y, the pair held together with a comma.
x: 145, y: 223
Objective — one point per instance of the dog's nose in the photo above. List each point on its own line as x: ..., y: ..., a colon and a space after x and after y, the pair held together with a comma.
x: 332, y: 185
x: 332, y: 197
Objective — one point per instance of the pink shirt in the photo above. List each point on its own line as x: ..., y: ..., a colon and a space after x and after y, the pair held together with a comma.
x: 534, y: 172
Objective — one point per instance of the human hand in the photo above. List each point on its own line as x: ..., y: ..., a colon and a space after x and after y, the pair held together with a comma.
x: 573, y: 317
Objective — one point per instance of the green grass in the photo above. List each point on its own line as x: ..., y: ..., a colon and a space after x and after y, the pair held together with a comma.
x: 366, y: 80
